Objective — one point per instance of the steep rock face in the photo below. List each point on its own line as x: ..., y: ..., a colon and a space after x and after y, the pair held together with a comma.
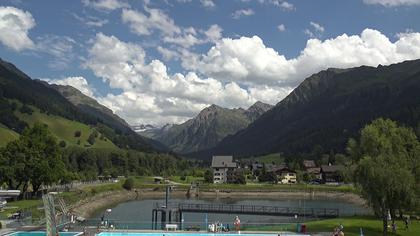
x: 328, y: 108
x: 210, y: 126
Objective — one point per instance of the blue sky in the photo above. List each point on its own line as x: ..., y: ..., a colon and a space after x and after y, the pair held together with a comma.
x: 163, y: 61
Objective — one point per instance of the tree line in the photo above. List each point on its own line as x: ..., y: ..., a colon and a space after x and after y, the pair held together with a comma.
x: 36, y: 159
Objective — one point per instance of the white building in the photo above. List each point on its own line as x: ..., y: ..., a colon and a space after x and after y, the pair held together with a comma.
x: 223, y: 168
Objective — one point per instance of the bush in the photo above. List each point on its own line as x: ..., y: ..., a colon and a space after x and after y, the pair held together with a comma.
x: 26, y: 109
x: 128, y: 184
x: 1, y: 226
x: 78, y: 133
x: 208, y: 176
x: 62, y: 144
x: 91, y: 139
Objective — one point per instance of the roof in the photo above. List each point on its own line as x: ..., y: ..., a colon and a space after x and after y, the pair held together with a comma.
x: 331, y: 168
x: 283, y: 169
x: 223, y: 161
x: 309, y: 163
x: 314, y: 170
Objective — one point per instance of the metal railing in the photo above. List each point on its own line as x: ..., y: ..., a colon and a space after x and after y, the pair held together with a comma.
x: 253, y: 210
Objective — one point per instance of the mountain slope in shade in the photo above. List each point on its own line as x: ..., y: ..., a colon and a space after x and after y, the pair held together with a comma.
x: 103, y: 114
x: 209, y: 127
x: 91, y: 106
x: 328, y: 108
x: 17, y: 86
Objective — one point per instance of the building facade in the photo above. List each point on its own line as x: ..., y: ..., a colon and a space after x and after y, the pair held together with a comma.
x: 223, y: 168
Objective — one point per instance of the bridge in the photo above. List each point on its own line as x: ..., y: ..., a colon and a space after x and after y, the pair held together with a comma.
x: 180, y: 208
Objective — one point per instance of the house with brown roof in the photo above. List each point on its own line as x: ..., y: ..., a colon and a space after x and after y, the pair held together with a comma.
x: 307, y: 164
x: 331, y: 174
x: 311, y: 169
x: 286, y: 175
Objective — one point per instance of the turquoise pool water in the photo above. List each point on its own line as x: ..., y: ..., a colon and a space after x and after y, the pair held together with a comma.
x: 42, y: 233
x: 188, y: 234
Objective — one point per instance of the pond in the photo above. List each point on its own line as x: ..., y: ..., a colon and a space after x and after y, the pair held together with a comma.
x: 138, y: 214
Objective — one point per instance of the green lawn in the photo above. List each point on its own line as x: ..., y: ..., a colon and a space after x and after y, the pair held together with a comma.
x: 148, y: 182
x: 267, y: 159
x: 64, y: 129
x: 280, y: 187
x: 23, y: 205
x: 370, y: 225
x: 7, y: 135
x: 187, y: 180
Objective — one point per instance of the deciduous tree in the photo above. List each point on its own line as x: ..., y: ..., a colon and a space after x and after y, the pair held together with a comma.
x: 387, y: 170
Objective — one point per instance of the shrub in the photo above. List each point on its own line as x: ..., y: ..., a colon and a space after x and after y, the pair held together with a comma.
x: 128, y: 184
x: 78, y: 133
x: 208, y: 176
x: 26, y: 109
x: 91, y: 139
x: 62, y: 144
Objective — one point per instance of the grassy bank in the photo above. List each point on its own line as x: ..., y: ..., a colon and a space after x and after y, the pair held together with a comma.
x: 35, y: 206
x: 370, y: 225
x: 147, y: 182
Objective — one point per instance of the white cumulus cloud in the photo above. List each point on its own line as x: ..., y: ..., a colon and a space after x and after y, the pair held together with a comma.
x: 143, y: 24
x: 232, y: 73
x: 392, y: 3
x: 242, y: 12
x: 248, y: 61
x: 150, y: 93
x: 105, y: 5
x: 207, y: 3
x: 281, y: 27
x: 14, y: 27
x: 78, y: 82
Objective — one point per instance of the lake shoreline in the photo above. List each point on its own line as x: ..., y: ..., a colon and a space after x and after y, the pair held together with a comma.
x: 86, y: 208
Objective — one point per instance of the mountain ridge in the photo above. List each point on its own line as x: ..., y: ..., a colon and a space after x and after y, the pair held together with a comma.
x: 207, y: 128
x: 16, y: 85
x: 327, y: 108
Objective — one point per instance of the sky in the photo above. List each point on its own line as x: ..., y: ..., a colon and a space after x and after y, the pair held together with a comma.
x: 163, y: 61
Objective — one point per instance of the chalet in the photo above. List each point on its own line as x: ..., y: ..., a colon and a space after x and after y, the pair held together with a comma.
x: 314, y: 174
x: 312, y: 170
x: 307, y: 164
x: 223, y: 168
x: 269, y: 167
x: 331, y: 174
x: 286, y: 175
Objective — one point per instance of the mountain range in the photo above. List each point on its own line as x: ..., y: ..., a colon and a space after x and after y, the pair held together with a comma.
x: 323, y: 112
x: 207, y: 129
x: 24, y: 101
x: 328, y: 108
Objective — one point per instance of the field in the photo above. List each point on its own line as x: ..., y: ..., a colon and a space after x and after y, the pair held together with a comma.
x: 7, y: 135
x: 65, y: 129
x: 267, y: 159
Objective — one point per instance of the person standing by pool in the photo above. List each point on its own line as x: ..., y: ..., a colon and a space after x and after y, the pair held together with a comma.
x: 237, y: 223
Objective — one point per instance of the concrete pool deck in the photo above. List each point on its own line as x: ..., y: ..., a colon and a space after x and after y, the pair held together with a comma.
x: 202, y: 232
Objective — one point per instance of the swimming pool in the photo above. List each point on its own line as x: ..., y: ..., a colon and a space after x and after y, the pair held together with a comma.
x: 42, y: 233
x: 191, y: 234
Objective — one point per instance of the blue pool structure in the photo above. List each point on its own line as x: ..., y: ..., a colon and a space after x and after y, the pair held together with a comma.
x: 43, y: 233
x: 193, y: 234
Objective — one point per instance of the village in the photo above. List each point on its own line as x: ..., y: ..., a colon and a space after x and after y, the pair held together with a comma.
x: 226, y: 170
